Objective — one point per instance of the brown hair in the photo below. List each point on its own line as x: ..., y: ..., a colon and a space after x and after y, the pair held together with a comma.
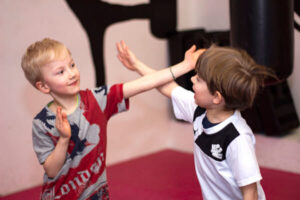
x: 38, y: 54
x: 233, y: 73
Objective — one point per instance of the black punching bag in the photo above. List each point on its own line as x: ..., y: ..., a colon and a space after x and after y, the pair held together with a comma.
x: 265, y: 29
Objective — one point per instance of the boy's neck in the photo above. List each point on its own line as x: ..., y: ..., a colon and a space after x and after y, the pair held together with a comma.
x: 68, y: 104
x: 218, y: 116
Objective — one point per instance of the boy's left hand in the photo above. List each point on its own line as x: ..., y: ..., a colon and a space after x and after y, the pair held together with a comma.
x: 126, y: 56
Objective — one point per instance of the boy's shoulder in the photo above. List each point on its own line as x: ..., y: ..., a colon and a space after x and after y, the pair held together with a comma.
x: 45, y: 114
x: 44, y: 120
x: 104, y: 89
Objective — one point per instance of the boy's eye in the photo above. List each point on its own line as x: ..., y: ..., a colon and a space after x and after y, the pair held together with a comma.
x: 60, y: 72
x: 73, y: 65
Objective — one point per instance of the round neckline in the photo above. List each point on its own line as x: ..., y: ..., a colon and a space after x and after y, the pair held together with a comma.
x: 221, y: 125
x: 54, y: 113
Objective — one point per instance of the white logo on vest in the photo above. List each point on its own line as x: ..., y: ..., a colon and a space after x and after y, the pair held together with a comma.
x: 216, y: 151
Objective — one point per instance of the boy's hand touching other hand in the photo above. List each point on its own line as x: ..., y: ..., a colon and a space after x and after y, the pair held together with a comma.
x: 62, y: 124
x: 191, y: 56
x: 126, y: 56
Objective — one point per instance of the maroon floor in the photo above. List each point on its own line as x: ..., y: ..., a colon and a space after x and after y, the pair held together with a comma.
x: 170, y: 175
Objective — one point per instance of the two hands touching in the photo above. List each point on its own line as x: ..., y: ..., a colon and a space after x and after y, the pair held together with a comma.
x: 130, y: 61
x: 163, y: 79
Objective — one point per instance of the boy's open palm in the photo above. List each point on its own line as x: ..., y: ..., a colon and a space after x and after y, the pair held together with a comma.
x: 126, y: 56
x: 62, y: 124
x: 191, y: 55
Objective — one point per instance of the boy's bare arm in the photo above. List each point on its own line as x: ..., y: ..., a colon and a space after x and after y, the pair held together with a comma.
x: 165, y: 89
x: 57, y: 158
x: 163, y: 79
x: 153, y: 80
x: 250, y: 192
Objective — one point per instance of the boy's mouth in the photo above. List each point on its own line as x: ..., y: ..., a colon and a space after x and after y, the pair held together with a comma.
x: 74, y: 83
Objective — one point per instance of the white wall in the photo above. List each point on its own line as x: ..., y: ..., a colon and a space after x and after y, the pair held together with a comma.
x: 23, y: 22
x: 294, y: 80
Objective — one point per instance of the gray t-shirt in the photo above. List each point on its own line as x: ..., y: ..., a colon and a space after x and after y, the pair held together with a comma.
x: 83, y: 174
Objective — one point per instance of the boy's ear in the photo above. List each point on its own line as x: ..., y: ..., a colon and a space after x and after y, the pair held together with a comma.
x: 41, y: 86
x: 218, y: 98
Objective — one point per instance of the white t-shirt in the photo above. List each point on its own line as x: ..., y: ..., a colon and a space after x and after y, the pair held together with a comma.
x: 224, y: 154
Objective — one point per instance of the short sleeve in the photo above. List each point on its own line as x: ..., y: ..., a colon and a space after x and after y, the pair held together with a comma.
x: 111, y: 100
x: 242, y: 160
x: 183, y: 104
x: 42, y: 143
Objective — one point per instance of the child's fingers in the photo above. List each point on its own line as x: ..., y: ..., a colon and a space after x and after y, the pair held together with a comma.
x: 199, y: 52
x: 58, y: 116
x: 119, y: 48
x: 123, y: 44
x: 123, y: 51
x: 190, y: 51
x: 123, y: 60
x: 192, y: 48
x: 58, y: 112
x: 126, y: 50
x: 64, y: 117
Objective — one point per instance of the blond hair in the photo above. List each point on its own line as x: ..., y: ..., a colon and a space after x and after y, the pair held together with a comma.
x: 234, y: 74
x: 40, y: 53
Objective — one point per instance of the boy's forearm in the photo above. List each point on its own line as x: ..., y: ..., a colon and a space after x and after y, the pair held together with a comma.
x: 154, y: 79
x: 166, y: 89
x: 250, y: 192
x: 57, y: 158
x: 143, y: 69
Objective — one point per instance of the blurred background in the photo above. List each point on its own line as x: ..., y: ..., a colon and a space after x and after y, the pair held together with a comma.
x: 148, y: 126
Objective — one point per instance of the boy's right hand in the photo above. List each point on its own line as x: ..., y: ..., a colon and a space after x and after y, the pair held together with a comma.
x: 191, y: 55
x: 127, y: 57
x: 62, y: 124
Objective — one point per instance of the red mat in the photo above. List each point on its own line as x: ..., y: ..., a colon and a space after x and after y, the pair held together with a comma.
x: 170, y: 175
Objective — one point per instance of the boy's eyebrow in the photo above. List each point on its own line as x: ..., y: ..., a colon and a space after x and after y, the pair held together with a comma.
x: 71, y: 61
x: 62, y: 66
x: 58, y: 68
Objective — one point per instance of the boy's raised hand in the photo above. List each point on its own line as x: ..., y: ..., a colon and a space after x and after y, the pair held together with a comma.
x: 127, y: 57
x: 191, y: 55
x: 62, y: 124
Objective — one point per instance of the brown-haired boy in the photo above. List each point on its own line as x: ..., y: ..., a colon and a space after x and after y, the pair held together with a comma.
x: 69, y: 134
x: 225, y: 83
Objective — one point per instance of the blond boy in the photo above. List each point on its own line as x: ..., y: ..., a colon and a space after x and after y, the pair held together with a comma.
x: 69, y: 134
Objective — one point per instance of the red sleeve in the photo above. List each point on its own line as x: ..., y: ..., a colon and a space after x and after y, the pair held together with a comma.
x: 115, y: 100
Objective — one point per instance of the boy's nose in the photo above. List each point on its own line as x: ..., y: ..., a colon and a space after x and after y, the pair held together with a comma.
x: 192, y: 78
x: 71, y: 73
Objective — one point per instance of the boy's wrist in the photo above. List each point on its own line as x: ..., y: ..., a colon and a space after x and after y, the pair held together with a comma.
x: 64, y: 140
x: 186, y: 64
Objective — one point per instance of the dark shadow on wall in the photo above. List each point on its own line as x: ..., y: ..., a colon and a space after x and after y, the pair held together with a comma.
x: 95, y: 16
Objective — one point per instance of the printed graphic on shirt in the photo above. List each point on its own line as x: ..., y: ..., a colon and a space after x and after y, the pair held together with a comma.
x: 100, y: 89
x: 215, y: 145
x: 216, y: 151
x: 46, y: 119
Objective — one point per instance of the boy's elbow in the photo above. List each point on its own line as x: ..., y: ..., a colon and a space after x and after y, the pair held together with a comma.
x: 51, y: 172
x: 51, y: 176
